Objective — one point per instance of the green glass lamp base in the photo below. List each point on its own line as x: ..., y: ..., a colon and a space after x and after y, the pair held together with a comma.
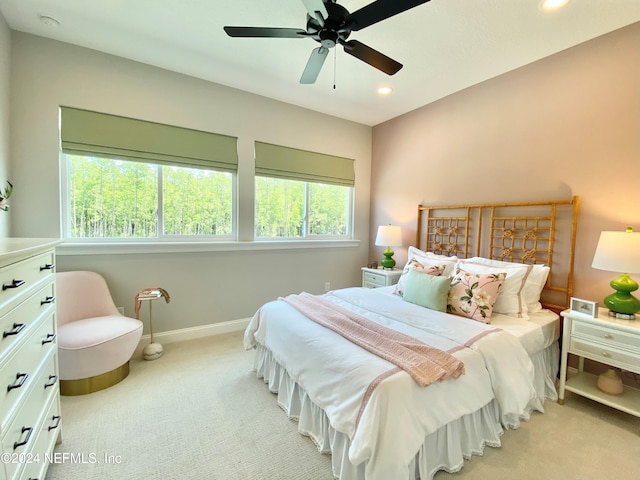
x: 622, y: 301
x: 387, y: 262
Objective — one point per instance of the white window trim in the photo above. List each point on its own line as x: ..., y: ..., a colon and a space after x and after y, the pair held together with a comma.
x: 70, y: 247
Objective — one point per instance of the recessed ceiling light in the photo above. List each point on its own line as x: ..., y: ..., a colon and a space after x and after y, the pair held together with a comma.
x: 49, y: 21
x: 384, y: 90
x: 547, y: 5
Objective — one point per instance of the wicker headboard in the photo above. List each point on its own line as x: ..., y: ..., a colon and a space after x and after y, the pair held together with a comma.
x: 532, y: 233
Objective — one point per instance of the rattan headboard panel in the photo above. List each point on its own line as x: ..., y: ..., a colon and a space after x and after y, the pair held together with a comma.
x: 532, y: 233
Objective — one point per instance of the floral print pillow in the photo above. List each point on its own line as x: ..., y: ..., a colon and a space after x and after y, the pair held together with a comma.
x: 472, y: 295
x: 413, y: 264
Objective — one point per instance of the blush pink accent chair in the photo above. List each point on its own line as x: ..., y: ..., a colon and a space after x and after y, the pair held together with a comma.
x: 93, y: 337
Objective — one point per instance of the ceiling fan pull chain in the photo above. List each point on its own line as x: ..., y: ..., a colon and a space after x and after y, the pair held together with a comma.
x: 334, y: 69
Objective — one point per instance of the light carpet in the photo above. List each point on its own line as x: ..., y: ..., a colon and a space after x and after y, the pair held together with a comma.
x: 199, y: 412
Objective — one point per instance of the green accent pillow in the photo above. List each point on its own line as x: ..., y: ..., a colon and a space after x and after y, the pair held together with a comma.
x: 427, y: 290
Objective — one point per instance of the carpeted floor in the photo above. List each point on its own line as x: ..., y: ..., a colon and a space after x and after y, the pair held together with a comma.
x: 199, y: 412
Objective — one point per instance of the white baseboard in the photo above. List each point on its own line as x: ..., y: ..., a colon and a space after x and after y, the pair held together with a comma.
x: 195, y: 332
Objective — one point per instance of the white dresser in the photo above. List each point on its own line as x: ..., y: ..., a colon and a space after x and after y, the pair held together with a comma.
x: 30, y: 419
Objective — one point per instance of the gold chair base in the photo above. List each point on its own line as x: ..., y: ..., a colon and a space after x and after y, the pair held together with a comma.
x: 83, y: 386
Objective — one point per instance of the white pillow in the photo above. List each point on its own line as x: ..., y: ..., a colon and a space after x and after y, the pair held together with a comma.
x: 534, y: 284
x: 510, y: 299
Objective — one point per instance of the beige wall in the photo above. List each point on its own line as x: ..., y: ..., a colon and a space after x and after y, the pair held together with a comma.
x: 5, y: 69
x: 548, y: 130
x: 566, y: 125
x: 208, y: 287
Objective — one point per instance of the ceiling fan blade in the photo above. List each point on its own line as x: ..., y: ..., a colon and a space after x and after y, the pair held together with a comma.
x: 380, y: 10
x: 372, y: 57
x: 316, y: 8
x: 270, y: 32
x: 314, y: 65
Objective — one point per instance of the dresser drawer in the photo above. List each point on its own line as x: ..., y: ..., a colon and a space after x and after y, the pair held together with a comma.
x: 606, y: 335
x: 44, y: 443
x: 17, y: 375
x: 604, y: 353
x: 20, y: 435
x: 18, y: 323
x: 17, y: 278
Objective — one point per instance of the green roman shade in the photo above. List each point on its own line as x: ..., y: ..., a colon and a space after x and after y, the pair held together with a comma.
x: 94, y: 134
x: 293, y: 164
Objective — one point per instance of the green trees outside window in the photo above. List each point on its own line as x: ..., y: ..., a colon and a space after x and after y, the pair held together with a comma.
x: 295, y: 209
x: 120, y: 199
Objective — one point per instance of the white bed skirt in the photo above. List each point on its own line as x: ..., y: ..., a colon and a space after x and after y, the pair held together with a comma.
x: 445, y: 449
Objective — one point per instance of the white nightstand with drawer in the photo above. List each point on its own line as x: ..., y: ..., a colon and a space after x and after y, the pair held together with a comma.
x: 606, y: 340
x: 379, y: 277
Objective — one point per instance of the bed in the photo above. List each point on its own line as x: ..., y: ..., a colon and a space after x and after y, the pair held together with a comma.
x: 372, y: 412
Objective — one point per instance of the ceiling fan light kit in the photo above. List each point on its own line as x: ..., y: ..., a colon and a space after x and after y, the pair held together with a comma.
x: 330, y: 24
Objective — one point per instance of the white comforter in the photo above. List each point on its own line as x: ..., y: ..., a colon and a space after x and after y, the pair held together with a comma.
x: 384, y: 412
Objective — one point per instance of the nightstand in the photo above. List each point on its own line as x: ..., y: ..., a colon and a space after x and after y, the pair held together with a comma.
x: 606, y: 340
x: 379, y: 277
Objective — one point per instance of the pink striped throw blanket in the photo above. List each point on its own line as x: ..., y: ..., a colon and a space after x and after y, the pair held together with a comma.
x: 425, y: 364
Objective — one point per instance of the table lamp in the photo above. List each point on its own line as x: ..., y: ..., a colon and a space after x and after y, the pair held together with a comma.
x: 620, y: 252
x: 388, y: 236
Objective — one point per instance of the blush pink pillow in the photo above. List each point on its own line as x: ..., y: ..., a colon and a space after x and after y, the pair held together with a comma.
x: 472, y: 295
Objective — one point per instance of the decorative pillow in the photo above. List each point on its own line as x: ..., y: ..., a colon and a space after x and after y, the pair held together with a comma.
x: 413, y: 264
x: 427, y: 290
x: 473, y: 295
x: 534, y: 284
x: 422, y: 256
x: 511, y: 299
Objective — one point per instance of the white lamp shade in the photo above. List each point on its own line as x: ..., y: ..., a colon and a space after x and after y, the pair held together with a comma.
x: 389, y: 236
x: 618, y: 252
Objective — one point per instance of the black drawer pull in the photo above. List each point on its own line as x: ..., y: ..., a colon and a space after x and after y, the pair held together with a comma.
x: 52, y: 381
x: 48, y: 299
x: 47, y: 266
x: 20, y: 379
x: 29, y: 430
x: 14, y: 284
x: 17, y: 328
x: 50, y: 338
x: 55, y: 418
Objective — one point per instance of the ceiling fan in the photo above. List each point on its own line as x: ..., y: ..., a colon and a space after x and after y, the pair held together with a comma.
x: 329, y: 24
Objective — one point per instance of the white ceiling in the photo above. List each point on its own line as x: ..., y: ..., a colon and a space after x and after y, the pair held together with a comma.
x: 444, y: 45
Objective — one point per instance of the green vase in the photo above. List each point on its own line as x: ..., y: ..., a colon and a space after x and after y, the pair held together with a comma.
x: 622, y: 301
x: 388, y: 262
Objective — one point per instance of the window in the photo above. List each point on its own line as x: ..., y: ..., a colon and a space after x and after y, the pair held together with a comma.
x: 294, y: 209
x: 128, y: 180
x: 112, y: 198
x: 301, y: 194
x: 132, y: 179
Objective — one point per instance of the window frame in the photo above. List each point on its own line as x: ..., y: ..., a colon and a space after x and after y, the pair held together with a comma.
x: 65, y: 214
x: 305, y: 221
x: 82, y: 134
